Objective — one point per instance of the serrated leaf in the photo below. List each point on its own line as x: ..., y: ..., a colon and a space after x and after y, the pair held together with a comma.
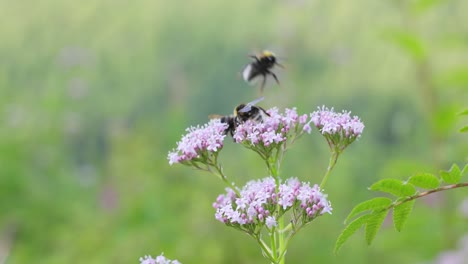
x: 445, y: 176
x: 451, y: 176
x: 372, y: 204
x: 350, y: 230
x: 464, y: 129
x: 425, y: 180
x: 373, y: 225
x: 455, y: 171
x: 395, y: 187
x: 401, y: 213
x: 465, y: 170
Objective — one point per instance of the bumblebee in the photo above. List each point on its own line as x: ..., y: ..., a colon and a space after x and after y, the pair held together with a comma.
x: 261, y: 67
x: 242, y: 113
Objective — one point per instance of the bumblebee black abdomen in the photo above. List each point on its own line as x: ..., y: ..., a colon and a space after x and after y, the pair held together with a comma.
x: 242, y: 113
x: 231, y: 122
x: 261, y: 67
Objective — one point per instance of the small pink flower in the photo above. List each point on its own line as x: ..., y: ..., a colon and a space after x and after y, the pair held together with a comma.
x: 258, y: 202
x: 330, y: 122
x: 158, y: 260
x: 200, y: 139
x: 270, y: 222
x: 340, y: 129
x: 275, y: 129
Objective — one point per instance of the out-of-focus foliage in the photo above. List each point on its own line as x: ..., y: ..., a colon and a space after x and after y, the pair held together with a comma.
x: 374, y: 211
x: 95, y: 93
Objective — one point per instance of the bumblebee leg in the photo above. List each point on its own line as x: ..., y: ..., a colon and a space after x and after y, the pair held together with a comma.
x: 254, y: 57
x: 274, y: 76
x: 263, y: 83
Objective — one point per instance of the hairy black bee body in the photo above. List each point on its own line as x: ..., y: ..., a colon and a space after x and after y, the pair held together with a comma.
x: 232, y: 124
x: 242, y: 113
x: 261, y: 67
x: 255, y: 113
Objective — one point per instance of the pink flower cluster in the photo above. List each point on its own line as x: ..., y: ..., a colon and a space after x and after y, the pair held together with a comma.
x: 259, y: 200
x: 199, y: 139
x: 273, y: 129
x: 158, y: 260
x: 332, y: 123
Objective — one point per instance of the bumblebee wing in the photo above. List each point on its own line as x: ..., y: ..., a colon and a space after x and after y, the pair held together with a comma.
x: 247, y: 73
x: 215, y: 116
x: 248, y: 106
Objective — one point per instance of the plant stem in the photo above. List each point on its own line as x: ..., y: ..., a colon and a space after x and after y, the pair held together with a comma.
x: 277, y: 236
x: 219, y: 172
x: 282, y: 245
x: 273, y: 244
x: 264, y: 247
x: 419, y: 195
x: 331, y: 164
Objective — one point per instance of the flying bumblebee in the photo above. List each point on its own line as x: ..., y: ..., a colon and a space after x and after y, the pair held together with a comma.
x: 242, y: 113
x: 261, y: 67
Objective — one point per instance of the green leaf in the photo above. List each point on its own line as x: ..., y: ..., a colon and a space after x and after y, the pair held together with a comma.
x: 350, y: 230
x: 425, y: 180
x: 373, y: 225
x: 401, y: 213
x: 464, y: 129
x: 372, y: 204
x: 465, y: 170
x: 395, y: 187
x: 465, y: 112
x: 451, y: 176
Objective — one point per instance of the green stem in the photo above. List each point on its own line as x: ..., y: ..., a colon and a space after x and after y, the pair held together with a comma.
x: 282, y: 245
x: 277, y: 236
x: 419, y: 195
x: 265, y: 248
x: 273, y: 244
x: 225, y: 180
x: 291, y: 235
x: 219, y: 172
x: 331, y: 164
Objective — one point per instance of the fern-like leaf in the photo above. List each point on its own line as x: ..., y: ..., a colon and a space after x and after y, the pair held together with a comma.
x: 372, y: 204
x: 425, y: 180
x: 452, y: 176
x: 401, y: 214
x: 395, y: 187
x: 350, y: 230
x: 373, y: 225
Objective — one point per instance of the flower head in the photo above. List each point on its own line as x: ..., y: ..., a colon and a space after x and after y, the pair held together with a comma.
x: 199, y: 142
x: 260, y: 204
x: 158, y: 260
x: 275, y: 129
x: 340, y: 129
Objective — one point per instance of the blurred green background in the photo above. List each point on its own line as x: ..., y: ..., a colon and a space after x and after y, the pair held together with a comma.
x: 95, y: 93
